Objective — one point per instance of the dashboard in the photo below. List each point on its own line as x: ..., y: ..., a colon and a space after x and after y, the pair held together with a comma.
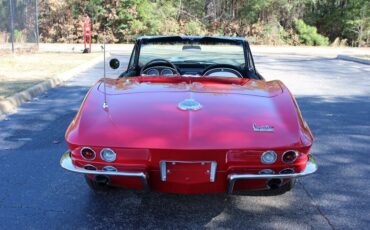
x: 162, y: 70
x: 159, y: 71
x: 222, y: 72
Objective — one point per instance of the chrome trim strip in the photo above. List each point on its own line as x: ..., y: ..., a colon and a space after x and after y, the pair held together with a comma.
x: 66, y: 163
x: 163, y: 168
x: 213, y: 171
x: 311, y: 167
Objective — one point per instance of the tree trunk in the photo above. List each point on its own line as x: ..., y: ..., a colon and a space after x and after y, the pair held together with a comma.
x: 210, y: 10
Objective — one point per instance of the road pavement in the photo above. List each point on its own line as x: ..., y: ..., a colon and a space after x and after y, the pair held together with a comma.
x: 334, y: 96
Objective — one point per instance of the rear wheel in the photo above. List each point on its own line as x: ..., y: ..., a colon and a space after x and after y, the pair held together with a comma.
x: 99, y: 184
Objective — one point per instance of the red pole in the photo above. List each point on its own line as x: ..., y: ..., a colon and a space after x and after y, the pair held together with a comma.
x: 87, y: 33
x: 90, y: 34
x: 84, y: 37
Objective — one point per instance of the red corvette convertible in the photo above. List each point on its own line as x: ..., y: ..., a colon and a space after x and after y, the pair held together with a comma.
x: 190, y: 115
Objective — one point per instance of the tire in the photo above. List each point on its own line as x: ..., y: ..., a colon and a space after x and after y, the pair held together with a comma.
x: 97, y: 186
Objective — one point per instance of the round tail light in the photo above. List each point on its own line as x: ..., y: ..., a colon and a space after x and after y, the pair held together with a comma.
x: 266, y: 171
x: 109, y: 169
x: 90, y: 167
x: 287, y: 171
x: 268, y: 157
x: 290, y: 156
x: 87, y: 153
x: 108, y: 155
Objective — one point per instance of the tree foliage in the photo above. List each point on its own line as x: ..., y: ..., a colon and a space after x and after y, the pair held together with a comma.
x: 308, y: 34
x: 349, y: 19
x: 263, y: 22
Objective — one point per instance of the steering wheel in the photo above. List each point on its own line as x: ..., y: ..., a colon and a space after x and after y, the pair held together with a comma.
x: 221, y: 68
x: 157, y: 61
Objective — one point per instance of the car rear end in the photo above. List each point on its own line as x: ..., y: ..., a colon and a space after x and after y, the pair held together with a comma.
x: 191, y: 135
x: 193, y: 171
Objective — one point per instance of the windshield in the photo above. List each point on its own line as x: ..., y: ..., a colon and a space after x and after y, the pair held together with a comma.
x: 200, y: 53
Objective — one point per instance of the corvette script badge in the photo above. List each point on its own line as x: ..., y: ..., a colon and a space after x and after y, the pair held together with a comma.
x: 189, y: 104
x: 263, y: 128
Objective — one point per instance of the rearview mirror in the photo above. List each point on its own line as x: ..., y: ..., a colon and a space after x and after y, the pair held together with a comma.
x: 191, y: 48
x: 114, y: 63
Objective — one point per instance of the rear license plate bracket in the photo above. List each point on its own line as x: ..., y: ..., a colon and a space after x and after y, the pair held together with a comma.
x: 188, y: 171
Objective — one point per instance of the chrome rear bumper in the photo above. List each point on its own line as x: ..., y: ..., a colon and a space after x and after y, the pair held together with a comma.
x: 311, y: 167
x: 66, y: 163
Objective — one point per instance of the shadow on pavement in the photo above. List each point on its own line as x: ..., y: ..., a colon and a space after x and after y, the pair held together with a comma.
x: 36, y: 192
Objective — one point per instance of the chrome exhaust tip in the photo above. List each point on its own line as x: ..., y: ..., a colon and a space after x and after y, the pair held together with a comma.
x: 274, y: 183
x: 102, y: 179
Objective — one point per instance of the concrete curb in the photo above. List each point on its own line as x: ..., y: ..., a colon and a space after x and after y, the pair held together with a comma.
x: 10, y: 104
x: 354, y: 59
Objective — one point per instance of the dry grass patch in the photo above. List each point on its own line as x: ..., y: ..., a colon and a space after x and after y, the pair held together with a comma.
x: 363, y: 56
x: 19, y: 72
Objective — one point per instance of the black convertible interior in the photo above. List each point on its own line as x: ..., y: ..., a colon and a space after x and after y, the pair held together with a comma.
x: 157, y: 64
x: 164, y: 67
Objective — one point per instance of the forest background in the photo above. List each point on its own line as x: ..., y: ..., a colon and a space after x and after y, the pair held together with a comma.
x: 267, y: 22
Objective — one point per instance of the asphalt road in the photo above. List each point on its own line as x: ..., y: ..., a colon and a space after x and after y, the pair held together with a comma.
x: 334, y: 96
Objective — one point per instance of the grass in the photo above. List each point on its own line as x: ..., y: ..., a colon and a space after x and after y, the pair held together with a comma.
x: 363, y: 56
x: 19, y: 72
